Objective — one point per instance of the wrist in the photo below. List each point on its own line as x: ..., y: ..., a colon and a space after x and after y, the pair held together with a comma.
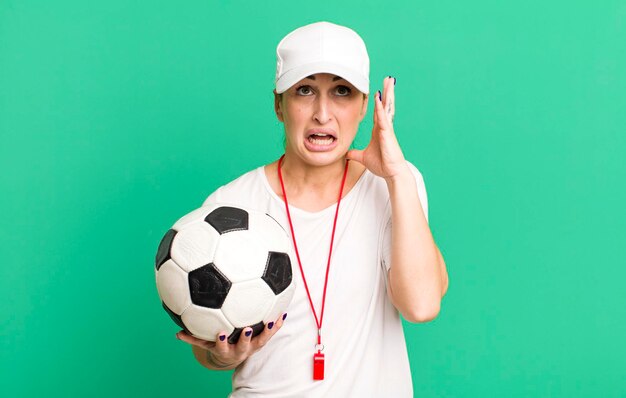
x: 217, y: 363
x: 401, y: 177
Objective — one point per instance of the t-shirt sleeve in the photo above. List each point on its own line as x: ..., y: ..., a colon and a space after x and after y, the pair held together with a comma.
x: 421, y: 193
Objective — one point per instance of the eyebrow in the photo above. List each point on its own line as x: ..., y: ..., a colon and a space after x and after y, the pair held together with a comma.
x: 334, y: 78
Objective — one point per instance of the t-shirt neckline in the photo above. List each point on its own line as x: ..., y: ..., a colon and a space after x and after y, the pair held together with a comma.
x: 302, y: 212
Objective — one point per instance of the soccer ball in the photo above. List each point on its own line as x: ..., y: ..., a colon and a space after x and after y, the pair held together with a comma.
x: 223, y: 268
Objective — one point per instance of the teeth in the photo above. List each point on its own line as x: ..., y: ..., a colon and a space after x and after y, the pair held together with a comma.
x: 326, y: 141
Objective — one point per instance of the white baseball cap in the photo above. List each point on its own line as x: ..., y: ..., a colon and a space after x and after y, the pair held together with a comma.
x: 322, y: 47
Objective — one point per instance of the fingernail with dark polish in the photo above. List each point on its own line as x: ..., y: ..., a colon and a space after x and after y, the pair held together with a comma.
x: 248, y: 333
x: 380, y: 96
x: 270, y: 325
x: 284, y: 316
x: 394, y: 81
x: 222, y: 337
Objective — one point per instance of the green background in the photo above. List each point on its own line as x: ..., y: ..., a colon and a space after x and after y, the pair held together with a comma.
x: 118, y: 117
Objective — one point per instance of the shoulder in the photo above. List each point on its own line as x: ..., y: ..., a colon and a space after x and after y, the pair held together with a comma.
x: 421, y: 190
x: 381, y: 186
x: 248, y: 185
x: 416, y: 172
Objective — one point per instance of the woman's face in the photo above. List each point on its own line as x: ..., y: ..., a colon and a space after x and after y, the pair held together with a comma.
x: 321, y: 114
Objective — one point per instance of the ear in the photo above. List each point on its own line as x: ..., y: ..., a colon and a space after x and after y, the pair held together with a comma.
x: 364, y: 107
x: 277, y: 107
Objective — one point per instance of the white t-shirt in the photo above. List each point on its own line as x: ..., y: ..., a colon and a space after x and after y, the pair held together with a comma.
x: 365, y: 349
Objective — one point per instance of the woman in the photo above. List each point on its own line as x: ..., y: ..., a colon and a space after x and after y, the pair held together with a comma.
x: 358, y: 220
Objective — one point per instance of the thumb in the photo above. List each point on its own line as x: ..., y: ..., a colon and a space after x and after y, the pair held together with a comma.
x: 355, y: 154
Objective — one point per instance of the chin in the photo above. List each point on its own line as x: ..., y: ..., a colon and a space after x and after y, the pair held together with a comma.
x: 320, y: 159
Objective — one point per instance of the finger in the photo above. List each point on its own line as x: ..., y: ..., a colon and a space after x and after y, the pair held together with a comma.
x: 376, y: 109
x: 271, y: 328
x: 222, y: 347
x: 379, y: 115
x: 387, y: 96
x: 386, y: 91
x: 243, y: 345
x: 355, y: 154
x: 187, y: 338
x: 390, y: 106
x: 279, y: 322
x: 262, y: 339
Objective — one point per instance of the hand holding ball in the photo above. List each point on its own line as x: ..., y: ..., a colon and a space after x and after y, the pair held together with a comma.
x: 223, y: 268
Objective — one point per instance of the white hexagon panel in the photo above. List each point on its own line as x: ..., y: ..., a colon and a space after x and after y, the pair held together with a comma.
x: 241, y: 255
x: 194, y: 246
x: 206, y: 323
x: 248, y: 302
x: 195, y: 216
x: 274, y: 236
x: 281, y: 302
x: 173, y: 287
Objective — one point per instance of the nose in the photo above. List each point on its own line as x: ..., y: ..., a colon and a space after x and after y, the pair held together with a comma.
x: 323, y: 109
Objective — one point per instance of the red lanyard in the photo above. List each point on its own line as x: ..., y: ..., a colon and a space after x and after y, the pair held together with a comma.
x: 318, y: 358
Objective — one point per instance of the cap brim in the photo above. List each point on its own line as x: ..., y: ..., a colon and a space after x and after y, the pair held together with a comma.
x: 293, y: 76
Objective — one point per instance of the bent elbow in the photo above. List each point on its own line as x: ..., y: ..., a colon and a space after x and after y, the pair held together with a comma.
x: 445, y: 287
x: 422, y: 315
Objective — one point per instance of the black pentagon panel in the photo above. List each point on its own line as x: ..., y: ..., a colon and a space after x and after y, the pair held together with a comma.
x: 257, y: 328
x: 176, y: 318
x: 277, y: 271
x: 163, y: 253
x: 228, y: 219
x: 208, y: 286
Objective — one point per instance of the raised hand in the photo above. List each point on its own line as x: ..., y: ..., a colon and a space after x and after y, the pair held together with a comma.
x: 383, y: 155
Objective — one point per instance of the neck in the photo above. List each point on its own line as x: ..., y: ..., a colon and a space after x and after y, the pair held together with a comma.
x: 302, y: 177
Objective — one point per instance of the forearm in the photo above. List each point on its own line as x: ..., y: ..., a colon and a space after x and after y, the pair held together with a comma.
x: 208, y: 360
x: 416, y: 275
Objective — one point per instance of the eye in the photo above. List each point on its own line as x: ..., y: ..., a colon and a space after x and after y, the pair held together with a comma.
x: 305, y: 90
x: 344, y: 89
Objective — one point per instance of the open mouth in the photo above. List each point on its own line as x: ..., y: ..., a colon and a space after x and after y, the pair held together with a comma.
x: 321, y: 139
